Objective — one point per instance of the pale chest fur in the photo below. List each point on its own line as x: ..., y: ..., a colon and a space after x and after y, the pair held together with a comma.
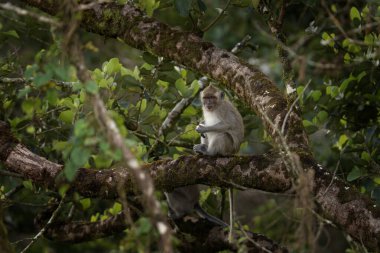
x: 210, y: 118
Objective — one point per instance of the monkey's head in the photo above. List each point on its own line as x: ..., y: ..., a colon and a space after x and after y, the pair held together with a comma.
x: 211, y: 97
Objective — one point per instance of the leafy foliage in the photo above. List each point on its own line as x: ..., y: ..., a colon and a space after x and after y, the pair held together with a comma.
x: 336, y: 63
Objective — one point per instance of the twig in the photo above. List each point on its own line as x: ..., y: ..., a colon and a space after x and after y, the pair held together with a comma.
x: 91, y: 5
x: 293, y: 54
x: 276, y: 30
x: 22, y: 12
x: 19, y: 80
x: 13, y: 191
x: 240, y: 44
x: 114, y: 137
x: 292, y: 106
x: 241, y: 229
x: 340, y: 28
x: 50, y: 221
x: 217, y: 18
x: 10, y: 174
x: 293, y: 166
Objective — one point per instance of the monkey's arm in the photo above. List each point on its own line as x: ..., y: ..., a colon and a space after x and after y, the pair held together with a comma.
x: 218, y: 127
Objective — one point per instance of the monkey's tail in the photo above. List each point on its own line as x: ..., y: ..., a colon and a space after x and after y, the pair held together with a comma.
x: 202, y: 213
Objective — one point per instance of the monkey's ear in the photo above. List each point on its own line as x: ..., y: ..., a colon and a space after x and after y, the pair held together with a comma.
x: 222, y: 95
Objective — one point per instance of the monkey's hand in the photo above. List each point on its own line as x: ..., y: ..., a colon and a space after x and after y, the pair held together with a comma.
x: 200, y: 149
x: 201, y: 129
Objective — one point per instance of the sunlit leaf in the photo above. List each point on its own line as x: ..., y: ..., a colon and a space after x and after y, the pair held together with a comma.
x: 67, y: 116
x: 11, y: 33
x: 86, y: 203
x: 354, y: 13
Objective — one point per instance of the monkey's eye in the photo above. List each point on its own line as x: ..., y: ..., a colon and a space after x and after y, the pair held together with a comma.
x: 209, y: 97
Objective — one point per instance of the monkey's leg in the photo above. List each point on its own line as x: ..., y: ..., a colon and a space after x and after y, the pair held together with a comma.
x: 231, y: 200
x: 202, y: 148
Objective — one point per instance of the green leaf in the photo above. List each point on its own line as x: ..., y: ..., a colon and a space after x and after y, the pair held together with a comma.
x: 28, y: 184
x: 300, y: 90
x: 204, y: 195
x: 81, y: 128
x: 255, y: 3
x: 143, y: 105
x: 342, y: 141
x: 309, y: 126
x: 91, y: 87
x: 322, y: 116
x: 333, y: 91
x: 102, y: 161
x: 355, y: 14
x: 365, y: 156
x: 376, y: 180
x: 52, y: 97
x: 42, y: 79
x: 112, y: 66
x: 345, y: 83
x: 116, y: 208
x: 67, y: 116
x: 86, y: 203
x: 144, y: 226
x: 60, y: 145
x: 30, y: 130
x: 328, y: 39
x: 190, y: 133
x: 361, y: 75
x: 182, y: 88
x: 79, y: 156
x: 149, y: 6
x: 30, y: 71
x: 63, y: 189
x: 12, y: 33
x: 183, y: 7
x: 149, y: 58
x: 316, y: 95
x: 369, y: 39
x: 23, y: 92
x: 27, y: 106
x: 354, y: 174
x: 347, y: 58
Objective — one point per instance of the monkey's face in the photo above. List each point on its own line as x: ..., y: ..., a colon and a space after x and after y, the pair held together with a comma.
x: 210, y: 102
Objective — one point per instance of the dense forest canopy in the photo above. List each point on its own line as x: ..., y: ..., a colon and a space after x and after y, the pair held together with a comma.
x: 99, y: 101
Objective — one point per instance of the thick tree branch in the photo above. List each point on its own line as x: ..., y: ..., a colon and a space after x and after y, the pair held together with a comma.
x: 75, y: 232
x: 340, y: 202
x: 209, y: 238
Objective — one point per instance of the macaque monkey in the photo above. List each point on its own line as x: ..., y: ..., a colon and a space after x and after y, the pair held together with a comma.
x: 222, y: 133
x: 222, y: 130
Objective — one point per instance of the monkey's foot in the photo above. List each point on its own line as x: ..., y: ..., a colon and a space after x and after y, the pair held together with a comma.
x: 200, y: 148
